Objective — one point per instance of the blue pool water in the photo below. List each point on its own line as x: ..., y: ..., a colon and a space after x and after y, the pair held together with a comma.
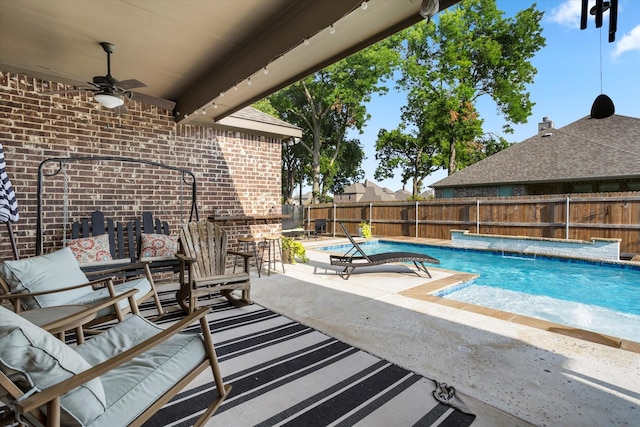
x: 600, y: 297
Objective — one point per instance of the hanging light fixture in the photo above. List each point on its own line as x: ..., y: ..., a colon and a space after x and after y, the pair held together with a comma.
x: 108, y: 98
x: 602, y: 106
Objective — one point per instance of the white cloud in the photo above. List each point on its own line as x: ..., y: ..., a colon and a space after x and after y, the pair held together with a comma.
x: 567, y: 14
x: 628, y: 42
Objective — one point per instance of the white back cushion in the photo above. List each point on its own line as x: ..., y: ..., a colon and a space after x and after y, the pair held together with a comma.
x: 56, y: 270
x: 43, y: 360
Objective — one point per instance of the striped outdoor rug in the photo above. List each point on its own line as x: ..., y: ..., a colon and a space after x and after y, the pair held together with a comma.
x: 285, y: 373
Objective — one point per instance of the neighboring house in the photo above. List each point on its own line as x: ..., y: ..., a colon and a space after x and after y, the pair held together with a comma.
x: 370, y: 192
x: 307, y: 198
x: 427, y: 194
x: 586, y: 156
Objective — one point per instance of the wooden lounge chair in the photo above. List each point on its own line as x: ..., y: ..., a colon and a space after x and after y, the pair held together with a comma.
x: 357, y: 257
x: 56, y: 279
x: 203, y: 255
x: 120, y: 377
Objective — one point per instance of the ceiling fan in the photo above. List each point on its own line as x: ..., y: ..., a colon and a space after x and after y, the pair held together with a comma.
x: 111, y: 93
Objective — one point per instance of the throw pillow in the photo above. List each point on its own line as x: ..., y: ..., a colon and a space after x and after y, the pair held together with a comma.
x: 158, y: 245
x: 56, y: 270
x: 42, y: 361
x: 91, y: 249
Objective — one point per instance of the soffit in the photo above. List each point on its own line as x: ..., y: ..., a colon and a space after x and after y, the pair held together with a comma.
x: 190, y: 51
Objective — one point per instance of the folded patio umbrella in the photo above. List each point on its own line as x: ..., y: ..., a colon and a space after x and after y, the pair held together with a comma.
x: 8, y: 203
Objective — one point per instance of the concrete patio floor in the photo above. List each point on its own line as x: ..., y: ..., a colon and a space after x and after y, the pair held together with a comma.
x: 508, y: 374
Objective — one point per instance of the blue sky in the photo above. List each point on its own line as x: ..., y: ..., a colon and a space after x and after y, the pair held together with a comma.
x: 567, y: 82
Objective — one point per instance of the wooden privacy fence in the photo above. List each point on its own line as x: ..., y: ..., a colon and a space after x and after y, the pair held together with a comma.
x: 574, y: 216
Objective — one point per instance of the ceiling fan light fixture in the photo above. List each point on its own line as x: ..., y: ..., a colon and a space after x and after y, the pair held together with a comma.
x: 108, y: 99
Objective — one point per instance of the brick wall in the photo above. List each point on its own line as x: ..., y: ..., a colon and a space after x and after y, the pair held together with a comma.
x: 237, y: 173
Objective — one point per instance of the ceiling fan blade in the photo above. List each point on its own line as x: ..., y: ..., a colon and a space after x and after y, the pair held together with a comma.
x: 158, y: 102
x: 130, y: 84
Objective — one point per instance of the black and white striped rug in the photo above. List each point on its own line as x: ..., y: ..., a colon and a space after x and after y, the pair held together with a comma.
x: 285, y: 373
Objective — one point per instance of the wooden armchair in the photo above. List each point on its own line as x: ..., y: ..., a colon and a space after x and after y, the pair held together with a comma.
x: 56, y: 279
x: 120, y: 377
x: 203, y: 271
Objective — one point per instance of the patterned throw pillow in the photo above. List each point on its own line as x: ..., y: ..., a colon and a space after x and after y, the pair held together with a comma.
x: 158, y: 245
x: 91, y: 249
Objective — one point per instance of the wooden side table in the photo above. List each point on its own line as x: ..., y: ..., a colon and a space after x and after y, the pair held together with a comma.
x: 59, y: 319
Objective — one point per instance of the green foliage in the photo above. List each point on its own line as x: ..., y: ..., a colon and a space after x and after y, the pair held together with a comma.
x: 265, y: 106
x: 472, y: 52
x: 409, y: 152
x: 295, y: 248
x: 326, y: 105
x: 365, y: 229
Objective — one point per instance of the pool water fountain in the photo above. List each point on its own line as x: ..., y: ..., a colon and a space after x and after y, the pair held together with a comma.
x: 598, y: 249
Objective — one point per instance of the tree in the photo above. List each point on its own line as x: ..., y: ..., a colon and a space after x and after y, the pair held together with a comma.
x: 292, y: 168
x: 292, y: 156
x: 407, y: 152
x: 329, y: 103
x: 472, y: 51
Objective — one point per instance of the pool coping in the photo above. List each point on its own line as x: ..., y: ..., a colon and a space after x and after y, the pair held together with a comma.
x: 425, y: 292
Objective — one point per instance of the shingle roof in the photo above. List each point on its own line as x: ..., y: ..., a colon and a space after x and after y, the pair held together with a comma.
x: 250, y: 113
x: 586, y: 149
x: 372, y: 192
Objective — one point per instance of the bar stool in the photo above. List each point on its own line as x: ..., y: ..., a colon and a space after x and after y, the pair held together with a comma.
x: 248, y: 244
x: 272, y: 244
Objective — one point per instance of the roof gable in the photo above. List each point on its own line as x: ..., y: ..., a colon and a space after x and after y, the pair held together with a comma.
x: 586, y: 149
x: 250, y: 118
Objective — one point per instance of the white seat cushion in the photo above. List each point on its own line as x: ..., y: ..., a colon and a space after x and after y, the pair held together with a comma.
x: 56, y: 270
x: 142, y: 285
x: 135, y: 385
x: 41, y: 360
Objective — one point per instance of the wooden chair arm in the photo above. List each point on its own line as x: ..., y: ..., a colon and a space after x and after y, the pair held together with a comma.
x: 125, y: 267
x: 55, y: 391
x: 186, y: 259
x: 95, y: 308
x: 52, y: 291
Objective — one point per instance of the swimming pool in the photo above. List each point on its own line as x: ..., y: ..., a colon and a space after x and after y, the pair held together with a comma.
x: 600, y: 297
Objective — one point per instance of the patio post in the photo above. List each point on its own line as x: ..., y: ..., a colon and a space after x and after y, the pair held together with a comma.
x: 566, y: 232
x: 334, y: 219
x: 417, y: 205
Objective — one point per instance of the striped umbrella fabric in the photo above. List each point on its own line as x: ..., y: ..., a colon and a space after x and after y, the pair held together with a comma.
x: 8, y: 202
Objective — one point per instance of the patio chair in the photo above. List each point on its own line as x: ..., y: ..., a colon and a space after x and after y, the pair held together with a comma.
x: 120, y: 377
x: 319, y: 227
x: 203, y: 271
x: 356, y: 257
x: 55, y: 279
